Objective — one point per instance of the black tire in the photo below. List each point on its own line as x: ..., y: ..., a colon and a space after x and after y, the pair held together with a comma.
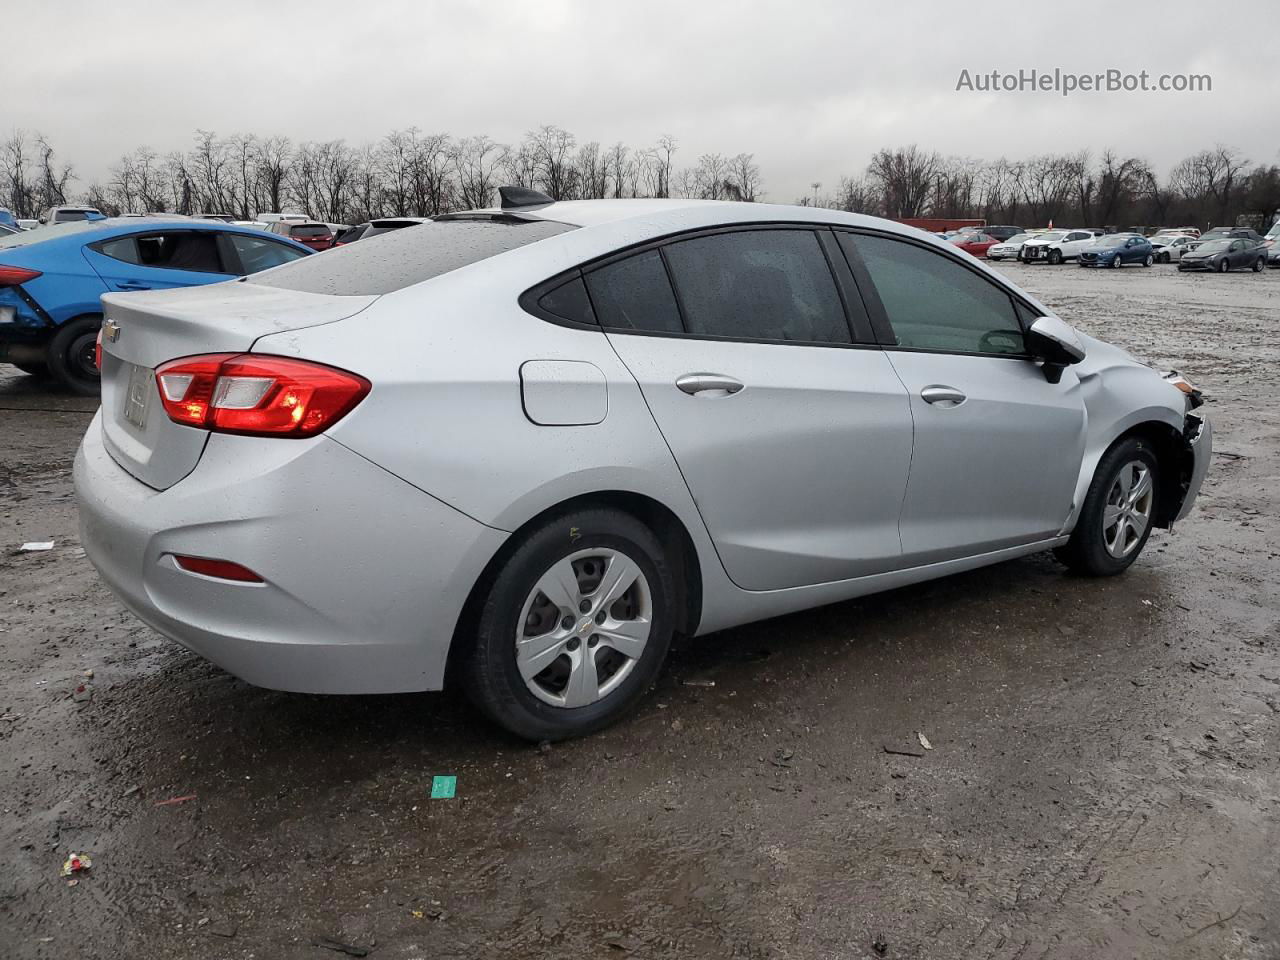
x: 1118, y: 262
x: 38, y: 370
x: 1224, y: 265
x: 1258, y: 265
x: 1163, y: 258
x: 1149, y: 261
x: 71, y: 353
x: 490, y: 669
x: 1086, y: 552
x: 1055, y: 257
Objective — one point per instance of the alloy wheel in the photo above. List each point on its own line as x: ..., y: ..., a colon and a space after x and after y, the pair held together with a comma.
x: 1127, y: 513
x: 583, y: 627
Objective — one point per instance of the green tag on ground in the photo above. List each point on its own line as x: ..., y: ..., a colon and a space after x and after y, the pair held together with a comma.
x: 443, y: 788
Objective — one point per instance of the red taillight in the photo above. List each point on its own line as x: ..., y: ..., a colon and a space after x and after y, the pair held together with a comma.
x: 257, y: 395
x: 222, y: 569
x: 97, y: 351
x: 13, y: 276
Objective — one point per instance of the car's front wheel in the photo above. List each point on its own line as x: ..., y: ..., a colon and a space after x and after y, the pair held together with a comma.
x: 1118, y: 510
x: 1117, y: 262
x: 72, y: 355
x: 1055, y: 257
x: 574, y: 627
x: 1223, y: 265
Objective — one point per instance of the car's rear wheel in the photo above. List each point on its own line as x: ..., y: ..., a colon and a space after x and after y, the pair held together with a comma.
x: 1258, y: 265
x: 574, y: 626
x: 1115, y: 522
x: 1149, y: 261
x: 72, y: 355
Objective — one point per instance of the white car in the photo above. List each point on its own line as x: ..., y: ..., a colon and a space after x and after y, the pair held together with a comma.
x: 1009, y: 249
x: 523, y: 447
x: 1056, y: 246
x: 1171, y: 247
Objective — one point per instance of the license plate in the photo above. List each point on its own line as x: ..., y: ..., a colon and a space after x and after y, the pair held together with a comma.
x: 136, y: 399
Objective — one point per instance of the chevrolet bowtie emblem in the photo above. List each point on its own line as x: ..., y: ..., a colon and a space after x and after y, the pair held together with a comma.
x: 111, y: 331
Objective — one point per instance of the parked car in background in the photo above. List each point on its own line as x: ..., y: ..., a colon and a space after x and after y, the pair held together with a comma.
x: 224, y: 217
x: 314, y: 234
x: 1117, y: 249
x: 1008, y: 249
x: 1174, y: 232
x: 1002, y: 233
x: 1273, y: 256
x: 51, y: 280
x: 371, y: 228
x: 271, y: 429
x: 153, y: 215
x: 1056, y: 246
x: 1169, y: 247
x: 977, y: 243
x: 28, y: 224
x: 1225, y: 254
x: 270, y: 218
x: 1230, y: 233
x: 70, y: 214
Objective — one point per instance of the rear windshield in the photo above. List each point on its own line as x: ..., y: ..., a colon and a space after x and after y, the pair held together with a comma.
x: 314, y: 231
x: 401, y: 258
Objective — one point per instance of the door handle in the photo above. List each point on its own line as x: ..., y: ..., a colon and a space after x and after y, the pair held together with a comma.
x: 942, y: 396
x: 709, y: 385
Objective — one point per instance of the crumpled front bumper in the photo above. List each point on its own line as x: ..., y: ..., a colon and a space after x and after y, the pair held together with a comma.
x: 1198, y: 437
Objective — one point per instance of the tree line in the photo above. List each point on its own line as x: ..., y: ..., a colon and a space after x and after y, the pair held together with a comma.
x: 1212, y: 187
x: 411, y: 173
x: 406, y: 173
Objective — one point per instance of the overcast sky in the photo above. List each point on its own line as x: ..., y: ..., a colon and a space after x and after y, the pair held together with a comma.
x: 811, y: 87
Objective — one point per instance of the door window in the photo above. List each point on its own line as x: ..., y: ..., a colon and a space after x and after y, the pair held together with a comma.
x: 758, y: 285
x: 258, y: 253
x: 635, y: 294
x: 189, y: 250
x: 934, y: 303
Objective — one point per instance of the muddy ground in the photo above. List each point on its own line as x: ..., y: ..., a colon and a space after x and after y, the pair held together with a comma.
x: 1103, y: 781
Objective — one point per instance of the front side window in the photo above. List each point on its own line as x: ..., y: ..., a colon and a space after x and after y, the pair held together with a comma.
x: 635, y: 294
x: 258, y: 253
x: 934, y: 303
x: 758, y: 285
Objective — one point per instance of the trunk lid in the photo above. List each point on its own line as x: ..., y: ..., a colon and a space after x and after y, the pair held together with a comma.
x: 153, y: 328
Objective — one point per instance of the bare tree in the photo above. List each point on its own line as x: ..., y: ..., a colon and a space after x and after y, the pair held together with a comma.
x: 476, y: 160
x: 905, y: 177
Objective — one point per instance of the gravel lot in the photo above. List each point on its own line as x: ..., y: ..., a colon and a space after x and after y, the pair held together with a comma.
x: 1103, y: 780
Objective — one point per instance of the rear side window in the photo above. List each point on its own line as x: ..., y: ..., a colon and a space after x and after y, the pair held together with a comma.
x: 167, y: 251
x: 935, y: 303
x: 124, y: 249
x: 569, y: 301
x: 257, y: 253
x: 758, y: 285
x: 180, y: 251
x: 402, y: 258
x: 635, y: 294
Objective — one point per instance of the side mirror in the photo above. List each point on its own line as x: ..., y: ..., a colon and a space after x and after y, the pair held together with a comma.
x: 1056, y: 343
x: 44, y: 219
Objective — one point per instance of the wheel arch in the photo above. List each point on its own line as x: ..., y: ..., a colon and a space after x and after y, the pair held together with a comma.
x: 1175, y: 464
x: 669, y: 528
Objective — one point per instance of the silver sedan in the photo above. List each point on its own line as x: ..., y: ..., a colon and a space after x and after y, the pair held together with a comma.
x: 531, y: 444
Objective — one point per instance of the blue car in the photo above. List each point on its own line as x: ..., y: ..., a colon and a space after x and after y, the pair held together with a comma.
x: 51, y: 279
x: 1117, y: 249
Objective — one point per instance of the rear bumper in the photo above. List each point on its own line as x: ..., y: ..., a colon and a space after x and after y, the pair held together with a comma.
x: 1198, y: 436
x: 365, y: 576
